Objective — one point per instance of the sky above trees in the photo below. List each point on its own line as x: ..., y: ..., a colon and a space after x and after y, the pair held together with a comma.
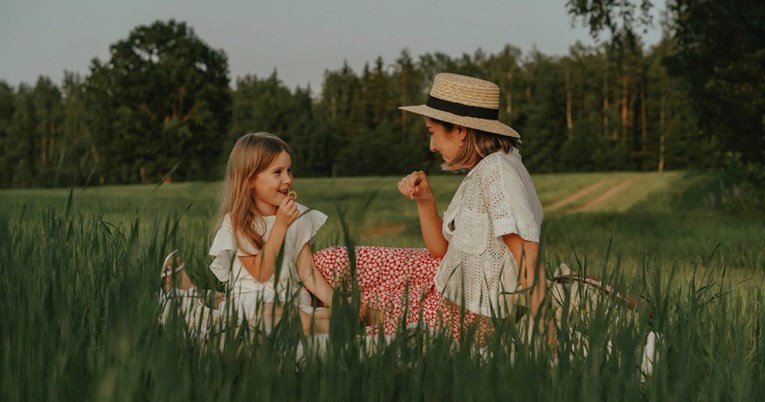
x: 300, y: 41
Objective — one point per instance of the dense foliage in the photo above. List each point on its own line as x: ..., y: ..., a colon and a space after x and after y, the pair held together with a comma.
x: 162, y: 98
x: 163, y: 107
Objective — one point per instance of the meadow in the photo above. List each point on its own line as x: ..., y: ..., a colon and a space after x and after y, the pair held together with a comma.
x: 80, y: 280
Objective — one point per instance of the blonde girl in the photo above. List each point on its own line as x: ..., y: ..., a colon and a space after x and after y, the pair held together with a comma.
x: 261, y: 248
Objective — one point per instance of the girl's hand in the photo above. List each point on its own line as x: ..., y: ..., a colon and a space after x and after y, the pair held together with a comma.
x: 416, y: 186
x: 287, y: 211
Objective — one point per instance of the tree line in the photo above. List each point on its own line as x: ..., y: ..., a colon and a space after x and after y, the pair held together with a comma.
x: 163, y: 107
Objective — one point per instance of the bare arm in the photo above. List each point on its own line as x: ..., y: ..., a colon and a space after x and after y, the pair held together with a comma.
x: 526, y: 254
x: 262, y: 265
x: 417, y: 187
x: 430, y: 225
x: 312, y: 278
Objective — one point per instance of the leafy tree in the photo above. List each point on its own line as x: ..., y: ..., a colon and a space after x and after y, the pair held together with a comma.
x: 22, y: 147
x: 629, y: 97
x: 615, y: 16
x: 720, y: 51
x: 339, y: 113
x: 677, y: 142
x: 77, y: 146
x: 260, y: 105
x: 504, y: 69
x: 7, y: 107
x: 432, y: 64
x: 267, y: 105
x: 48, y: 110
x: 312, y: 141
x: 409, y: 145
x: 375, y: 95
x: 407, y: 86
x: 161, y: 100
x: 542, y: 116
x: 31, y: 136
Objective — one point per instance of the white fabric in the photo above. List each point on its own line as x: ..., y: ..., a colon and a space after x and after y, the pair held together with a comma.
x: 246, y: 292
x: 495, y: 198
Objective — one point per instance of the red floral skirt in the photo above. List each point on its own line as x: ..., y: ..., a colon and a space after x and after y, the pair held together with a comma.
x: 399, y: 282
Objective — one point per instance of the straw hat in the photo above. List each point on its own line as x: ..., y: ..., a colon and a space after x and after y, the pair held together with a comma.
x: 465, y: 101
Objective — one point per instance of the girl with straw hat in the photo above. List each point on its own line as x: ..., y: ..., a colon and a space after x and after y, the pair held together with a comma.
x: 483, y: 250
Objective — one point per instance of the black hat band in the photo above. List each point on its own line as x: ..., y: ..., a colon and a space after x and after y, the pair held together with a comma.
x: 462, y: 110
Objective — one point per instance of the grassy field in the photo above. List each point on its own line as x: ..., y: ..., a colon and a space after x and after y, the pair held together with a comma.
x: 79, y: 285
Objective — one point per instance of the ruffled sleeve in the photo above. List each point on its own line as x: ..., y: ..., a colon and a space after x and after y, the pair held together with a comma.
x: 305, y: 227
x: 511, y: 199
x: 223, y: 250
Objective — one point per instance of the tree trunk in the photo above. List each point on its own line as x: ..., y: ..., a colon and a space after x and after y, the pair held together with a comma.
x: 662, y: 127
x: 643, y: 119
x: 606, y: 106
x: 509, y: 104
x: 625, y: 107
x: 43, y: 151
x: 569, y: 118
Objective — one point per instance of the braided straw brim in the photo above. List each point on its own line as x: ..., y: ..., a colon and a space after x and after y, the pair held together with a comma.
x: 469, y: 92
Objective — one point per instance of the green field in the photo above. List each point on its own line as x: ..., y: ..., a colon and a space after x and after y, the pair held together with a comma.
x: 80, y: 279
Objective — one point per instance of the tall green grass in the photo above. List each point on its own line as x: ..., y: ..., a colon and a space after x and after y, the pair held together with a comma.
x: 79, y: 283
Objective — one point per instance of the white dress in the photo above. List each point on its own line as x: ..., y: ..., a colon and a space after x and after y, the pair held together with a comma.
x: 497, y: 197
x: 247, y: 293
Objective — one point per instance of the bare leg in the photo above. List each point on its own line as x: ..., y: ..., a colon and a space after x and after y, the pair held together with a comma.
x: 373, y: 316
x: 267, y: 316
x: 316, y: 322
x: 174, y: 275
x: 178, y: 293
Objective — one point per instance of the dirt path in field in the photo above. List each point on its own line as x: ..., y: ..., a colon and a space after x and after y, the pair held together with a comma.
x: 576, y: 196
x: 606, y: 195
x: 589, y: 190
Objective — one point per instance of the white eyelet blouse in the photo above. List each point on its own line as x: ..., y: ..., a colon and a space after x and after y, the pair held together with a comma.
x: 495, y: 198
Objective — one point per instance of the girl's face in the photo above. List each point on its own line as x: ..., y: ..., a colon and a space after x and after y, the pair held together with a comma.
x: 272, y: 184
x: 446, y: 143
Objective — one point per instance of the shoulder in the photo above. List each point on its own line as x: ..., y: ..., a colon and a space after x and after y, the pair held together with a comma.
x: 224, y: 238
x: 224, y: 225
x: 490, y: 160
x: 501, y: 171
x: 495, y: 162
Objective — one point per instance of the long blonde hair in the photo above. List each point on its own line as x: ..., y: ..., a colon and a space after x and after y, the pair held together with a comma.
x: 251, y: 154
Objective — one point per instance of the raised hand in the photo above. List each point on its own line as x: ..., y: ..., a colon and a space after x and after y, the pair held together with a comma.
x: 416, y: 186
x: 287, y: 211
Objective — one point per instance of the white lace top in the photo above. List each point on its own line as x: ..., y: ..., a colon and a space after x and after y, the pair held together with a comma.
x: 246, y: 292
x: 497, y: 197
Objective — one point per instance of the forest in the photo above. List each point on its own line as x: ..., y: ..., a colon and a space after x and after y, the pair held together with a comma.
x: 163, y: 107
